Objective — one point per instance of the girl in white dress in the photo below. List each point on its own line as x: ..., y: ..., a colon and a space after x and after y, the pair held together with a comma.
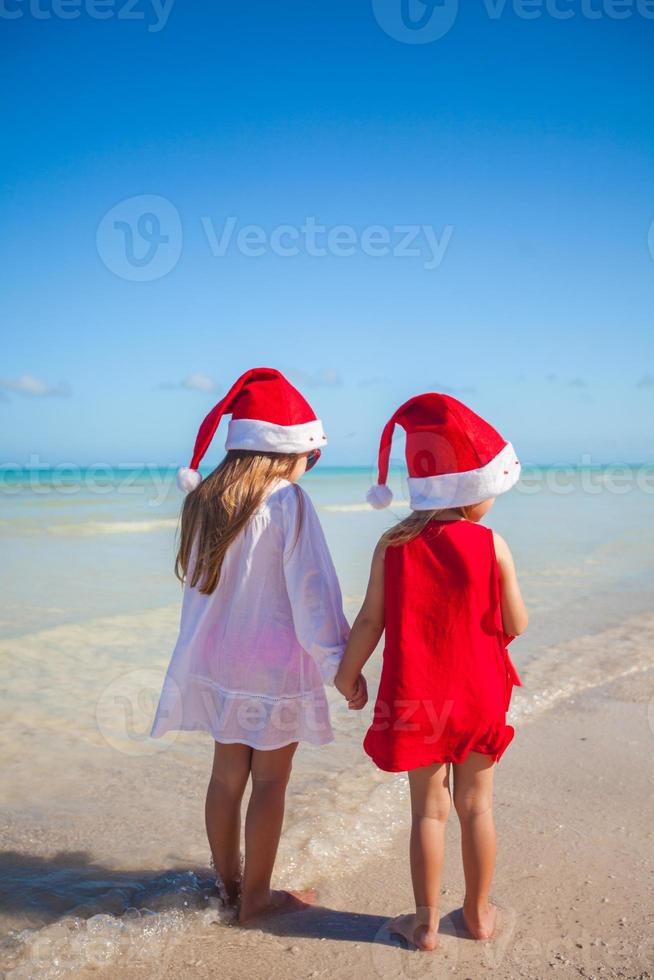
x: 262, y: 626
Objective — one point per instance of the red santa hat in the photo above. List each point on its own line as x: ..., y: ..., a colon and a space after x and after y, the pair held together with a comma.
x: 454, y: 457
x: 268, y: 414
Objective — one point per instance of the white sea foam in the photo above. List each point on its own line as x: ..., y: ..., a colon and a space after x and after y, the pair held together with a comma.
x: 563, y: 671
x: 89, y: 529
x: 168, y: 908
x: 360, y: 507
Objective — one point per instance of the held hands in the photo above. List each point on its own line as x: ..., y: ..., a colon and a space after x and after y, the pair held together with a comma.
x: 359, y: 697
x: 356, y: 694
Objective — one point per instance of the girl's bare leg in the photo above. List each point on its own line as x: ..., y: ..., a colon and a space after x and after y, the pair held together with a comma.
x: 263, y: 826
x: 473, y: 799
x: 229, y: 776
x: 430, y: 807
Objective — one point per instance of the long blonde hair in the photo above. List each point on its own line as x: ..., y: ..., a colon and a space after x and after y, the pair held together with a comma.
x: 411, y: 526
x: 220, y: 507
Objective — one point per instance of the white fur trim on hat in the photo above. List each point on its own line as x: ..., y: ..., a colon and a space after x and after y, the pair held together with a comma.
x: 470, y: 487
x: 188, y: 479
x: 379, y: 496
x: 266, y: 437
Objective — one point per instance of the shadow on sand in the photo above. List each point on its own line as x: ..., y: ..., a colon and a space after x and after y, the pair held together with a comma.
x: 42, y: 890
x: 37, y: 891
x: 353, y: 927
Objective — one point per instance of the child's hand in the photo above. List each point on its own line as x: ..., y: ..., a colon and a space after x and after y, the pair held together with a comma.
x: 343, y: 686
x: 359, y: 696
x: 355, y: 694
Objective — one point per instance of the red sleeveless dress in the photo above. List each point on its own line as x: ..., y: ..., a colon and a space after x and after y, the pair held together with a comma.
x: 447, y: 677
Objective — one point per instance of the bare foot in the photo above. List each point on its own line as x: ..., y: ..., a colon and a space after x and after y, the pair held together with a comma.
x: 480, y: 925
x: 228, y: 892
x: 278, y: 903
x: 415, y: 932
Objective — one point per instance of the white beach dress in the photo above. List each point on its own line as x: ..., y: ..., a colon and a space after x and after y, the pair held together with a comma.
x: 251, y: 659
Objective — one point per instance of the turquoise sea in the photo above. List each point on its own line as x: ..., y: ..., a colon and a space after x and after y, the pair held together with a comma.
x: 101, y: 541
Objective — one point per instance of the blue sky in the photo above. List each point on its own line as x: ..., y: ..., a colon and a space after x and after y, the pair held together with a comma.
x: 525, y: 147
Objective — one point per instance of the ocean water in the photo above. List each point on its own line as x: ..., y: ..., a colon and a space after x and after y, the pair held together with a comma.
x: 104, y: 854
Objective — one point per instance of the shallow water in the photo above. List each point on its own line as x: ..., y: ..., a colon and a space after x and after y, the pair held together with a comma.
x: 104, y: 849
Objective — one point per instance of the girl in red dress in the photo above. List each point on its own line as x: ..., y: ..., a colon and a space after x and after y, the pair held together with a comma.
x: 444, y: 589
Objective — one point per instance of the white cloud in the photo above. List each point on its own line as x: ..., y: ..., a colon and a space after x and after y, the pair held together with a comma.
x: 199, y: 382
x: 323, y: 378
x: 193, y: 382
x: 34, y: 387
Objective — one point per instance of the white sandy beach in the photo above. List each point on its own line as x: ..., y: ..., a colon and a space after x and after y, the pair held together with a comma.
x: 573, y: 882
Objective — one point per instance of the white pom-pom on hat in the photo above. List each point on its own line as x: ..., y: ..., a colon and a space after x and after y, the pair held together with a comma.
x: 188, y: 479
x: 379, y: 496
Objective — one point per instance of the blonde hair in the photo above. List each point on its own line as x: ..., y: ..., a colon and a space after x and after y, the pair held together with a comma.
x: 218, y: 509
x: 414, y: 524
